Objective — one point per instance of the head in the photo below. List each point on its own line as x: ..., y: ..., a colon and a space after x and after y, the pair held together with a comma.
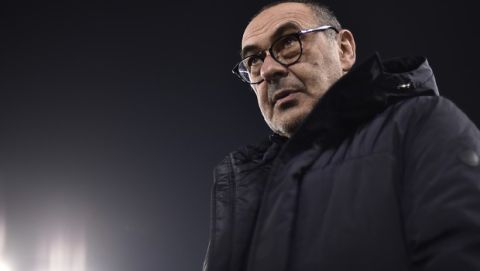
x: 287, y: 93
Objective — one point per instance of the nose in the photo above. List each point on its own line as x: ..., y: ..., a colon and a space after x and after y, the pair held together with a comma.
x: 271, y: 70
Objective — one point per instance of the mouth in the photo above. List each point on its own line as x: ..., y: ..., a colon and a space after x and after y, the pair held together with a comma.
x: 282, y: 95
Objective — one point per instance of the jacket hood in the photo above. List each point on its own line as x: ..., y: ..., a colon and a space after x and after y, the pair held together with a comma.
x: 368, y: 89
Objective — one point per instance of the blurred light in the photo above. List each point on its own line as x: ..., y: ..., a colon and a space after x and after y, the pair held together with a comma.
x: 64, y: 256
x: 4, y: 266
x: 63, y: 248
x: 2, y: 232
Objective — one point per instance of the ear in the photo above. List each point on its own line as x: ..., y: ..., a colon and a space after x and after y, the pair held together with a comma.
x: 347, y: 48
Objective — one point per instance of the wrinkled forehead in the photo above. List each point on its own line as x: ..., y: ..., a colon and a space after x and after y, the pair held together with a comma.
x: 263, y: 27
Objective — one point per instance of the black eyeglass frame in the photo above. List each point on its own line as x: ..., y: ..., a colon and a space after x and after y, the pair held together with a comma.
x: 297, y: 35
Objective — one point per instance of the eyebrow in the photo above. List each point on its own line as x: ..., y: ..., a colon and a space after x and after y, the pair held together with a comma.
x: 278, y: 32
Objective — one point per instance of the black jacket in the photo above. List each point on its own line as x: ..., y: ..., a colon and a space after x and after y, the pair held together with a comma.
x: 383, y: 175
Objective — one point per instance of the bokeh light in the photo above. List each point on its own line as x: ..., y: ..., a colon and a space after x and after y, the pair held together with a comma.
x: 4, y: 266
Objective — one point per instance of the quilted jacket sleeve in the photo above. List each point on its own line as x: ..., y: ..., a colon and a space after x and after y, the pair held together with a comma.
x: 441, y: 187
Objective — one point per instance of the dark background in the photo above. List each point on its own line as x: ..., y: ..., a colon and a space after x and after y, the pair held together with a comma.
x: 113, y: 114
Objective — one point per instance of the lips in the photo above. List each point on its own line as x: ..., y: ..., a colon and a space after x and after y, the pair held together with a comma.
x: 282, y: 94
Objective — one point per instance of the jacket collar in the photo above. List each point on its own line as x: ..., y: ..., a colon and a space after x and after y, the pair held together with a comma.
x: 368, y: 89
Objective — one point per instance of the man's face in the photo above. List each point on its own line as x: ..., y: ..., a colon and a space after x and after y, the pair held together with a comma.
x: 288, y: 94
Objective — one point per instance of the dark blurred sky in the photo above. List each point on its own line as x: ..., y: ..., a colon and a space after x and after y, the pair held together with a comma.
x: 113, y: 114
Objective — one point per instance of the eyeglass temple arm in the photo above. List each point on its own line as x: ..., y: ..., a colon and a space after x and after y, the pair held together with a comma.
x: 320, y: 28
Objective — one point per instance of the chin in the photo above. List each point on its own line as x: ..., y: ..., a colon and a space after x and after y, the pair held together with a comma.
x: 289, y: 122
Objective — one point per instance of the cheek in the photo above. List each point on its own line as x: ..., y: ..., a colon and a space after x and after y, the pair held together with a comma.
x: 324, y: 73
x: 321, y: 68
x: 262, y: 99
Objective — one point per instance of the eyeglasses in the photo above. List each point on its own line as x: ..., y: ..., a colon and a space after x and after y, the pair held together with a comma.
x: 286, y: 50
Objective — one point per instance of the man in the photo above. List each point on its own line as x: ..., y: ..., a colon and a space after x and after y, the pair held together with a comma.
x: 368, y: 168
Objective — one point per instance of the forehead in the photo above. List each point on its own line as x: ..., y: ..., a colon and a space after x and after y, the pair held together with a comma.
x: 264, y: 25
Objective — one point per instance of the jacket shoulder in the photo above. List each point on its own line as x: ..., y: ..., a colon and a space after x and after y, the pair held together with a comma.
x: 436, y: 113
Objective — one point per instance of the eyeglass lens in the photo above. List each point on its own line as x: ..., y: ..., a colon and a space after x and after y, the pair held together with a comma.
x: 285, y: 50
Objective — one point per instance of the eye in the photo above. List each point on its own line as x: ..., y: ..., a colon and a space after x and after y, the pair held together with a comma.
x: 254, y: 60
x: 287, y: 48
x: 286, y: 42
